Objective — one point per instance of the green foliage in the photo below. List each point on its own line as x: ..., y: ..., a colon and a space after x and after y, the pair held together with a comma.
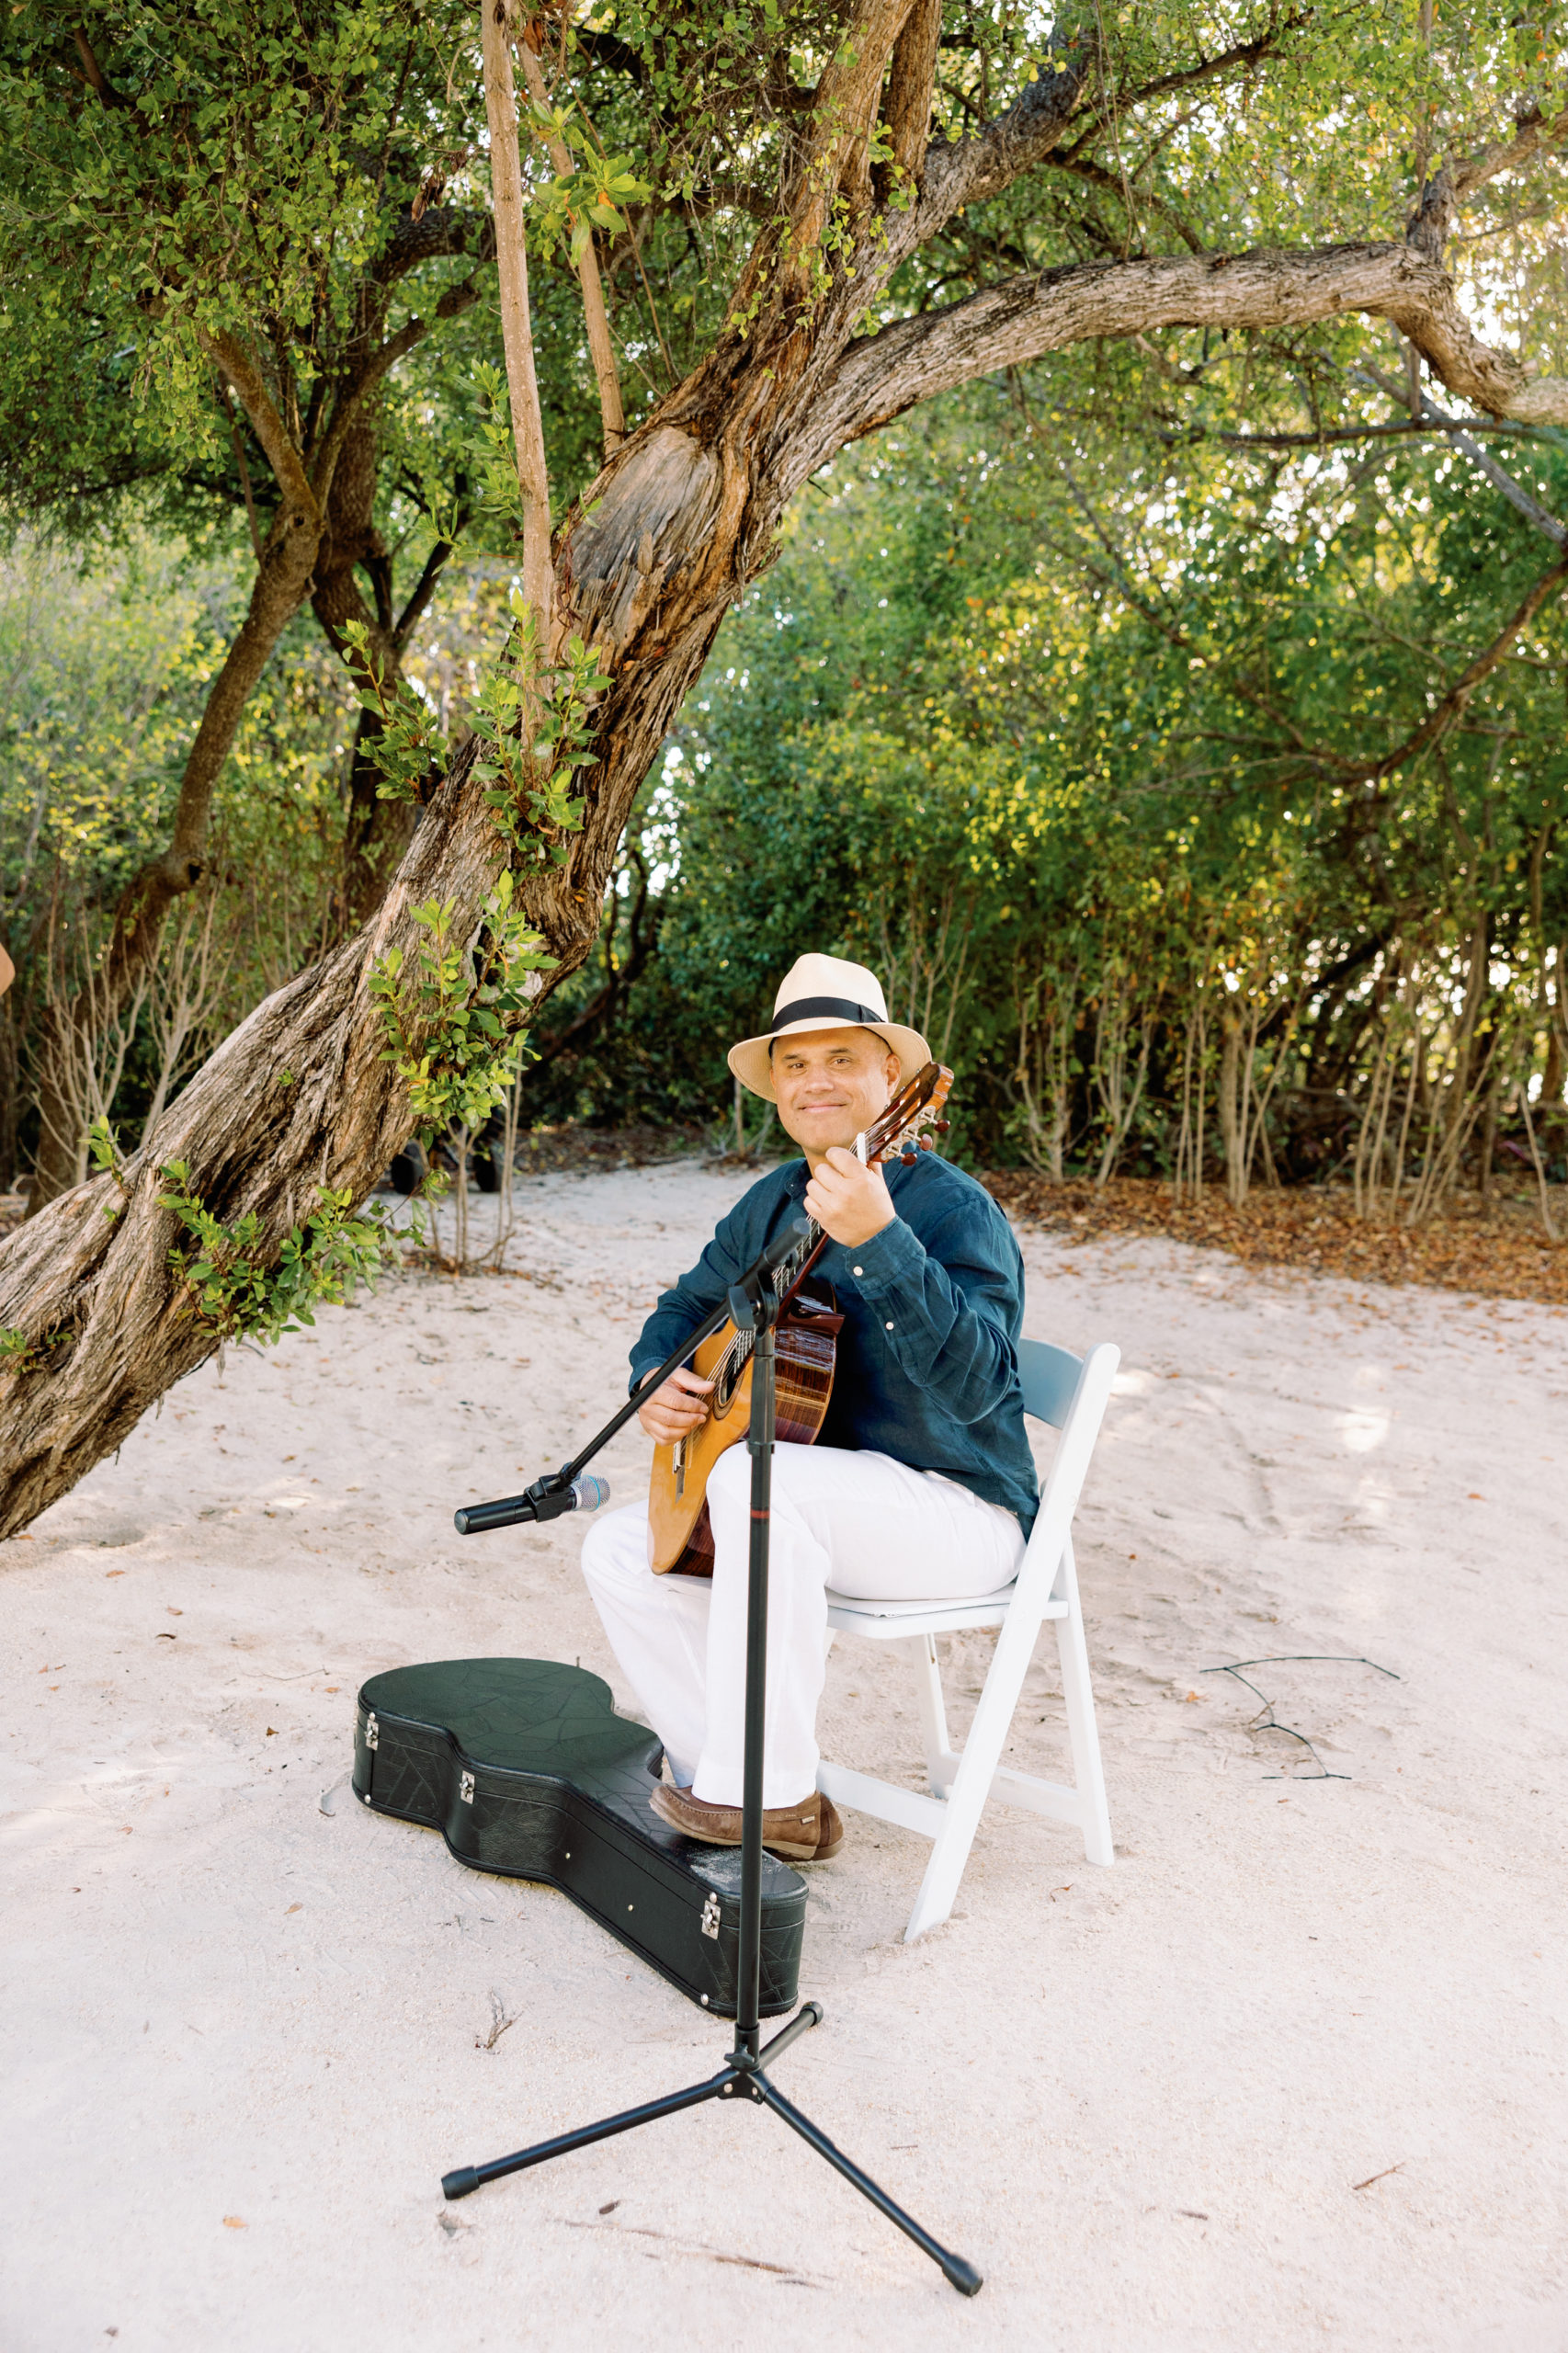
x: 104, y: 668
x: 18, y: 1353
x: 567, y: 210
x: 407, y: 748
x: 243, y: 162
x: 1075, y: 740
x: 537, y: 733
x: 102, y: 1150
x: 1061, y: 710
x: 452, y: 1019
x: 239, y: 1295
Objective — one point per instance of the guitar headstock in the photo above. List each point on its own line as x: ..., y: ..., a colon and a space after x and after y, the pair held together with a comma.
x: 900, y: 1130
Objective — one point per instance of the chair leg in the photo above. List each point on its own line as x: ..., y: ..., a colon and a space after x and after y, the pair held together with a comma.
x: 1088, y: 1772
x: 978, y: 1760
x: 933, y: 1710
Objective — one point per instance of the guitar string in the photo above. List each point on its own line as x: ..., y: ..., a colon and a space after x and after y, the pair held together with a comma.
x: 740, y: 1348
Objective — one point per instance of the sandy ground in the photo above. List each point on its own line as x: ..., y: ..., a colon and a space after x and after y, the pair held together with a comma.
x: 1292, y: 2073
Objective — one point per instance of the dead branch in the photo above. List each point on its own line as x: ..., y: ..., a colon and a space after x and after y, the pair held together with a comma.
x: 516, y: 327
x: 601, y: 349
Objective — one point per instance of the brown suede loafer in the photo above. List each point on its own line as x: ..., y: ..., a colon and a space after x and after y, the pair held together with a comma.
x: 807, y: 1832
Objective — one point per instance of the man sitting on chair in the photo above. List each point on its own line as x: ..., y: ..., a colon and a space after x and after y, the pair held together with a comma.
x: 921, y: 1485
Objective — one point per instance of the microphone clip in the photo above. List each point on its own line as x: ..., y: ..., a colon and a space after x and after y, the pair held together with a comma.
x: 550, y: 1496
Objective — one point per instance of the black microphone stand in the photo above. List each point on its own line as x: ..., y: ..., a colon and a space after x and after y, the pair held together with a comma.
x: 753, y: 1303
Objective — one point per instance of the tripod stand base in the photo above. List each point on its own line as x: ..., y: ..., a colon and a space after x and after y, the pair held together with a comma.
x: 735, y: 2080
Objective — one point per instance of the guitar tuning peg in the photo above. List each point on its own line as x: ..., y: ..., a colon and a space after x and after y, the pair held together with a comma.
x: 926, y: 1144
x: 941, y: 1126
x: 909, y: 1158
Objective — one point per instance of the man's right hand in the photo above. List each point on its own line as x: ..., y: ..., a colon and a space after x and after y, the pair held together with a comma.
x: 676, y: 1406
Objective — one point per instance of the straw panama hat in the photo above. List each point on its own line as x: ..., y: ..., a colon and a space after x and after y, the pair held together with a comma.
x: 825, y: 993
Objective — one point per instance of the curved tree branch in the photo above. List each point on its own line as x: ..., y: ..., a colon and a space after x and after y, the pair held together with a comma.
x: 1445, y: 714
x: 595, y: 319
x: 507, y: 194
x: 277, y: 442
x: 1038, y: 119
x: 907, y: 110
x: 848, y: 94
x: 1037, y: 122
x: 1005, y: 326
x: 1534, y: 134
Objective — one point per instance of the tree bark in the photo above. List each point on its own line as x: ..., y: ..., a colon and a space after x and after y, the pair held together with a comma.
x: 376, y: 832
x: 684, y: 515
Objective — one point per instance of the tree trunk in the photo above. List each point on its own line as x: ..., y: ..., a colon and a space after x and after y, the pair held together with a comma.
x: 653, y: 572
x: 1233, y: 1106
x: 282, y: 580
x: 376, y: 833
x: 10, y: 1092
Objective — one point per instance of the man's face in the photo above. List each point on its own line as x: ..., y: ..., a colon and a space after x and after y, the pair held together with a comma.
x: 830, y: 1085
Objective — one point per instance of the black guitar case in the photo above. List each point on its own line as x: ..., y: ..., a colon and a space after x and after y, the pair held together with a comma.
x: 525, y: 1769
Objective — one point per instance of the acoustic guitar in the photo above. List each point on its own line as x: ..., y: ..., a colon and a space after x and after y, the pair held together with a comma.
x: 679, y: 1535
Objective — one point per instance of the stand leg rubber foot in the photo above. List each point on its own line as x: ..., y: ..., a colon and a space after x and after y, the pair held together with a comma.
x: 462, y: 2183
x: 962, y: 2276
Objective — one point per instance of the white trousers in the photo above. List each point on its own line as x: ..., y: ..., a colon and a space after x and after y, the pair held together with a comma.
x: 863, y: 1524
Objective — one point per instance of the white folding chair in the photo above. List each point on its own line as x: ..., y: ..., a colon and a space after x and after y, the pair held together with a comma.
x: 1070, y: 1392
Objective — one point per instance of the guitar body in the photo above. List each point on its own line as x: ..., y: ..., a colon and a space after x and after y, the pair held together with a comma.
x: 679, y: 1535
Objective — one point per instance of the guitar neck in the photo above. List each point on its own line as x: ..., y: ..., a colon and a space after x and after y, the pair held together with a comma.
x: 818, y: 1240
x: 817, y: 1244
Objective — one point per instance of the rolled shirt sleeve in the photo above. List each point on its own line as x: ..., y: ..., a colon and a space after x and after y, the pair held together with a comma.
x: 944, y: 1313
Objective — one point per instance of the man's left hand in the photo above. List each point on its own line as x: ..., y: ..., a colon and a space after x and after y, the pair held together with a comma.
x: 848, y: 1200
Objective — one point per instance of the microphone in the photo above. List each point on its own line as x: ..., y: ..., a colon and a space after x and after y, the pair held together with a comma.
x: 543, y: 1501
x: 744, y: 1295
x: 797, y: 1232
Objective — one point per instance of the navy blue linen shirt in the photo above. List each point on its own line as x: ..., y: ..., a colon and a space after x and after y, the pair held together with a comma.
x: 933, y: 1305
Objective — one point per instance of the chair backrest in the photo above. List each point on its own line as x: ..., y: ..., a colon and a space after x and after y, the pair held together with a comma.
x: 1070, y: 1392
x: 1050, y: 1378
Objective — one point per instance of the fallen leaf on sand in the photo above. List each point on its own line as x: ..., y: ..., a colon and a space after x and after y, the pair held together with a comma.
x: 1496, y: 1249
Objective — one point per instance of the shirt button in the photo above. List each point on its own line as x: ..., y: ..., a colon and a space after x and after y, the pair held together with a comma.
x: 856, y: 1270
x: 889, y: 1327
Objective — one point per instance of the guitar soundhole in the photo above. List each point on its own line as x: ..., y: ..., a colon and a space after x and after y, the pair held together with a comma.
x: 725, y: 1381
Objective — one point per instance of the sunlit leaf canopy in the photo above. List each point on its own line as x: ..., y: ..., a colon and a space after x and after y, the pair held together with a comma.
x: 256, y: 169
x: 1040, y: 730
x: 1206, y: 130
x: 168, y: 170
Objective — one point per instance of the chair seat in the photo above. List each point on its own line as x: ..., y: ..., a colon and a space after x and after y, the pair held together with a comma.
x: 1068, y: 1392
x: 887, y: 1619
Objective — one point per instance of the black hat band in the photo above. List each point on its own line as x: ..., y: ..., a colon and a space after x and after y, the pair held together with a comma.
x: 811, y: 1008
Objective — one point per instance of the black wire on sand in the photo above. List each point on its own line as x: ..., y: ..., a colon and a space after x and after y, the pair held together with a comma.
x: 1264, y: 1721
